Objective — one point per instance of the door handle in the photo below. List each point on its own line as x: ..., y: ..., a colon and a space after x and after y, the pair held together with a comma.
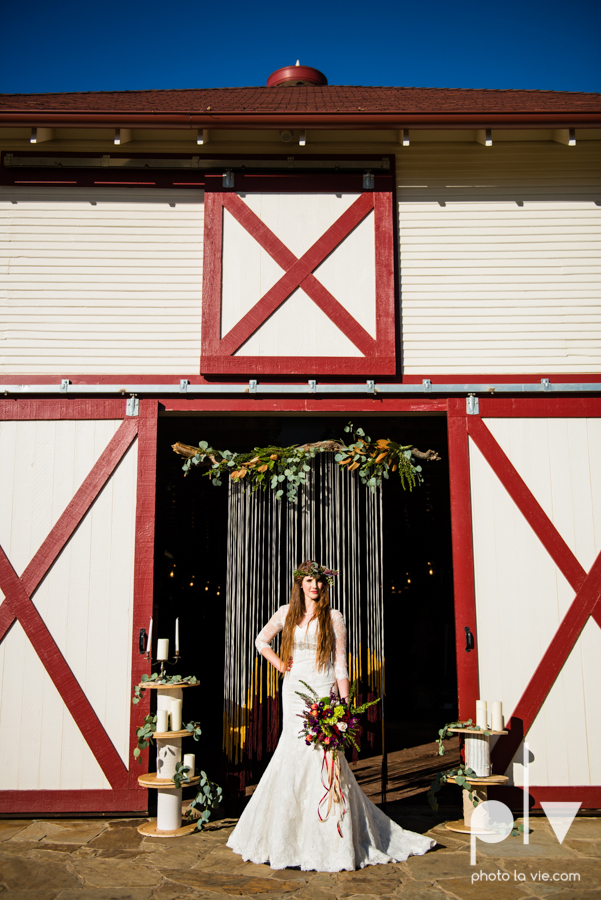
x: 142, y: 640
x: 469, y: 640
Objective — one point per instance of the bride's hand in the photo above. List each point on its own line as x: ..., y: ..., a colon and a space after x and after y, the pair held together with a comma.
x: 285, y: 667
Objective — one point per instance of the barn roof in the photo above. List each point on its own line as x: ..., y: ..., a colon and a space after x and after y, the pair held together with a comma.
x: 330, y: 99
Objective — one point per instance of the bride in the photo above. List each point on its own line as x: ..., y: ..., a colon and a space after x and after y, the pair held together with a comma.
x: 280, y: 824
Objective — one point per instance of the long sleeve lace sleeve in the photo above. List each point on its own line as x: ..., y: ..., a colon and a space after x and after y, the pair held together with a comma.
x: 273, y: 627
x: 339, y: 653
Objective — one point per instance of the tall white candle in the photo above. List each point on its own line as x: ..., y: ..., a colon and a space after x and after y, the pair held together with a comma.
x: 176, y: 715
x: 190, y: 760
x: 177, y: 635
x: 481, y: 713
x: 149, y: 644
x: 162, y: 720
x: 163, y: 649
x: 496, y: 715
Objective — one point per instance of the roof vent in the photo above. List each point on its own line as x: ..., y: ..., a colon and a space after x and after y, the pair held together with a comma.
x: 294, y: 75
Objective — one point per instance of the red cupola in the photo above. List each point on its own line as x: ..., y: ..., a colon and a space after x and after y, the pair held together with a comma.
x: 295, y: 75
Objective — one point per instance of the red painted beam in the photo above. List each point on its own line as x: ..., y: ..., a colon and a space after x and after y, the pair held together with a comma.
x: 195, y: 378
x: 143, y: 572
x: 374, y: 405
x: 513, y: 797
x: 328, y: 121
x: 81, y: 801
x: 463, y: 562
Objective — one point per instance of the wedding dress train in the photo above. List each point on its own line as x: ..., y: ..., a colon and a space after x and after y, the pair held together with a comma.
x: 280, y: 825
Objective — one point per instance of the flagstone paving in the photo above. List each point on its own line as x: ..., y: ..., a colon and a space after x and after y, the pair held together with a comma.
x: 98, y: 859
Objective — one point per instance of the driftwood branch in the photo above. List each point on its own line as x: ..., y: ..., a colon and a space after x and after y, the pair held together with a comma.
x: 330, y: 446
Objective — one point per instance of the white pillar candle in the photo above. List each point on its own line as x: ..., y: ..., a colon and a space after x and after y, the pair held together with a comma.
x: 481, y: 713
x: 176, y: 715
x: 177, y: 635
x: 163, y: 649
x: 496, y: 715
x: 190, y: 760
x: 162, y: 721
x: 149, y: 644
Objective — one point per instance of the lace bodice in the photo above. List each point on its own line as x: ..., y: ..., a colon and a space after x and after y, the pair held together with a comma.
x: 305, y: 639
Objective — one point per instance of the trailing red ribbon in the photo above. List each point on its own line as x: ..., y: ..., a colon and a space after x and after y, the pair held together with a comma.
x: 333, y: 788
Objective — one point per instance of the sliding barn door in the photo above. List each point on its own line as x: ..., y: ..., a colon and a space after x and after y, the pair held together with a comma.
x: 527, y: 550
x: 76, y: 547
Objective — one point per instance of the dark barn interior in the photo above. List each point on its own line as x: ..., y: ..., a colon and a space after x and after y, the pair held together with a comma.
x: 190, y: 574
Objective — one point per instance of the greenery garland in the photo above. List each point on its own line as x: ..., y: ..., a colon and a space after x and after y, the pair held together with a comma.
x: 155, y: 678
x: 285, y: 468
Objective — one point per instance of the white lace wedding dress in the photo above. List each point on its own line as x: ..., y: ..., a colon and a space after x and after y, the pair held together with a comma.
x: 280, y: 824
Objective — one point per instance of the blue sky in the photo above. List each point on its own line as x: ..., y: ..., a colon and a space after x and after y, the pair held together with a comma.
x: 75, y: 46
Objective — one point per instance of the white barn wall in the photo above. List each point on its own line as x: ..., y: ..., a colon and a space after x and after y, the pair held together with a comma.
x: 499, y: 253
x: 100, y: 281
x: 499, y: 267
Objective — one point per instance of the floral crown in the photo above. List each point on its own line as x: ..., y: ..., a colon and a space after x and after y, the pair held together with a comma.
x: 317, y: 571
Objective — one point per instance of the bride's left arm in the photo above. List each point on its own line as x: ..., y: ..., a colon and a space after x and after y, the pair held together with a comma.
x: 340, y: 656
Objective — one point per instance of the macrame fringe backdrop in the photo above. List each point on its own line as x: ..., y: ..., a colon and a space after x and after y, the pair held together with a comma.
x: 336, y: 521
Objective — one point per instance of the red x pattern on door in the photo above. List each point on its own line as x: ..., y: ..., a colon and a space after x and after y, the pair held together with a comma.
x: 586, y: 585
x: 378, y: 354
x: 18, y: 593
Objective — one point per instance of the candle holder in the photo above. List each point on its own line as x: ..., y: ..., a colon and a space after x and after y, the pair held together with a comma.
x: 153, y: 662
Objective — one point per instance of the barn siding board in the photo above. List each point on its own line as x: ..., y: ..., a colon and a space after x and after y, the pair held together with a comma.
x: 499, y: 257
x: 105, y: 281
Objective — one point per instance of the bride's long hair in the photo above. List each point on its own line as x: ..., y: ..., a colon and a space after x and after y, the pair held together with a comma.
x: 325, y: 633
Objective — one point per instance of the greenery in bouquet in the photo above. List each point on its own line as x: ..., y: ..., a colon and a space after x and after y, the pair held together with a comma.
x: 330, y: 724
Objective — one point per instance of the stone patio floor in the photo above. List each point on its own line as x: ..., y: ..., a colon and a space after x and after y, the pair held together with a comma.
x: 104, y: 859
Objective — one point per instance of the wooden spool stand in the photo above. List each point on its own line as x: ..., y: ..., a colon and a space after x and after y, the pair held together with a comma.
x: 480, y: 784
x: 168, y: 822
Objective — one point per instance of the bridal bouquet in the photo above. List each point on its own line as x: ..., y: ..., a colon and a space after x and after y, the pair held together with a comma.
x: 332, y: 726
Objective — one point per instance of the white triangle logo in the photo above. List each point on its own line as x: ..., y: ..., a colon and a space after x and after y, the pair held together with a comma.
x: 560, y: 816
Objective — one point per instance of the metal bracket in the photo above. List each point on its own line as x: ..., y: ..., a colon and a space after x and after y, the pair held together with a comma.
x: 65, y: 385
x: 546, y: 384
x: 472, y: 406
x: 371, y: 386
x: 427, y: 384
x: 183, y: 385
x: 252, y: 386
x: 312, y: 386
x: 132, y: 407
